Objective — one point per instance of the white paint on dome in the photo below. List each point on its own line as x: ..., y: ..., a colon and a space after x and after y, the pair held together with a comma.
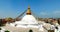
x: 29, y: 19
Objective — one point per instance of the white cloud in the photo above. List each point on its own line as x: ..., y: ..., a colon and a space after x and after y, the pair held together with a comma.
x: 50, y: 14
x: 43, y: 13
x: 56, y: 12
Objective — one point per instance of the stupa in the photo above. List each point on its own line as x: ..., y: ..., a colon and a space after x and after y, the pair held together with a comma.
x: 27, y: 21
x: 28, y: 18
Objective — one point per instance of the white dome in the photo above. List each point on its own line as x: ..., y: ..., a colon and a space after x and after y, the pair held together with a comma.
x: 29, y: 19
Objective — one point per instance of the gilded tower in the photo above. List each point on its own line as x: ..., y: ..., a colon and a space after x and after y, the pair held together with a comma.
x: 28, y: 11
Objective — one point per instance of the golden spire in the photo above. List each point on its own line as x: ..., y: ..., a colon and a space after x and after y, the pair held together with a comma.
x: 28, y: 11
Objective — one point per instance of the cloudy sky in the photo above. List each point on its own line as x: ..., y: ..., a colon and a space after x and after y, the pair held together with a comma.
x: 40, y: 8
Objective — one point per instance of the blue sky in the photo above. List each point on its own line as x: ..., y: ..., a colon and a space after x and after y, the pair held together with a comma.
x: 40, y: 8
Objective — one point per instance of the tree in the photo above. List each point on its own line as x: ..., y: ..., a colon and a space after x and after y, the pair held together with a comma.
x: 7, y: 31
x: 30, y: 31
x: 0, y: 28
x: 9, y: 19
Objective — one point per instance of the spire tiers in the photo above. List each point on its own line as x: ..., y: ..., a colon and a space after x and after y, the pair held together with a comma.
x: 28, y: 11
